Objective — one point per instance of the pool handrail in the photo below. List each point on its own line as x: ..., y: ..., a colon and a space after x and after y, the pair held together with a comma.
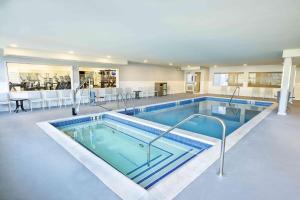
x: 125, y: 101
x: 238, y: 87
x: 222, y: 152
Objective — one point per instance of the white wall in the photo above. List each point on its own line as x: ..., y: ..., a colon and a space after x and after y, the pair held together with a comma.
x: 297, y: 84
x: 203, y: 79
x: 3, y: 76
x: 245, y: 90
x: 137, y: 75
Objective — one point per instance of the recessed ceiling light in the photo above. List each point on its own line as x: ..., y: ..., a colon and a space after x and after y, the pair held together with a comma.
x: 13, y: 45
x: 244, y: 64
x: 108, y: 56
x: 170, y: 64
x: 71, y: 52
x: 145, y: 61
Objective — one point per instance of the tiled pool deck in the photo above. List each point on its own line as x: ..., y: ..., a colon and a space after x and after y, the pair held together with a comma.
x: 263, y: 165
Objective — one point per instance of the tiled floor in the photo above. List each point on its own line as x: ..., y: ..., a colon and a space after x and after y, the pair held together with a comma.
x: 263, y: 165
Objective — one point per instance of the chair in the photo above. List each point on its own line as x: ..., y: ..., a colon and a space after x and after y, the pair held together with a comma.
x: 51, y: 96
x: 114, y: 93
x: 150, y: 91
x: 36, y: 97
x: 66, y: 96
x: 84, y: 96
x: 142, y: 93
x: 108, y: 94
x: 119, y: 93
x: 4, y: 100
x: 128, y: 93
x: 100, y: 94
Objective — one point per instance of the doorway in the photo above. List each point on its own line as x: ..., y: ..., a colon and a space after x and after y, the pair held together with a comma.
x: 197, y: 82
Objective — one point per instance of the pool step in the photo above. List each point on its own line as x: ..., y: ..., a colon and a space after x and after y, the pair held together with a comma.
x: 156, y: 176
x: 148, y: 176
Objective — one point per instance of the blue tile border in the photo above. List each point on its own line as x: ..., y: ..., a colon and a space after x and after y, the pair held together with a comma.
x: 164, y: 166
x: 143, y: 165
x: 195, y: 100
x: 71, y: 121
x: 199, y: 99
x: 172, y: 170
x: 145, y: 170
x: 184, y: 102
x: 160, y: 106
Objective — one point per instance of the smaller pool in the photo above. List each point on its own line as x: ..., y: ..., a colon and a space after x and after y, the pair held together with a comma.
x: 234, y: 115
x: 123, y: 145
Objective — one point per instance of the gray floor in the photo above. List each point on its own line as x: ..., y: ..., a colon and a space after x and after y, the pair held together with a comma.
x: 264, y: 165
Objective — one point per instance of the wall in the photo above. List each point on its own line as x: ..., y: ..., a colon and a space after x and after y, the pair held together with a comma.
x: 3, y: 76
x: 245, y: 90
x: 297, y: 84
x: 203, y: 80
x: 136, y: 75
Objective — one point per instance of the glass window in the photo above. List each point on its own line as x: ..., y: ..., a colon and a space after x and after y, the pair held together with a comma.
x: 28, y: 77
x: 229, y: 79
x: 99, y: 78
x: 265, y: 79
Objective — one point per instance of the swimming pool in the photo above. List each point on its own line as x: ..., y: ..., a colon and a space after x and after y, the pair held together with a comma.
x: 112, y: 145
x: 233, y: 115
x: 124, y: 147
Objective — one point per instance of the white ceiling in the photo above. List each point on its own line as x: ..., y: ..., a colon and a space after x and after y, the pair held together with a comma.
x: 195, y: 32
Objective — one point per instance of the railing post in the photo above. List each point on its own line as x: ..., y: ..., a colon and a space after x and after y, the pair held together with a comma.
x: 222, y: 154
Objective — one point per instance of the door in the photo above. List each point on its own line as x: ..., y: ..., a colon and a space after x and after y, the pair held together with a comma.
x: 197, y: 82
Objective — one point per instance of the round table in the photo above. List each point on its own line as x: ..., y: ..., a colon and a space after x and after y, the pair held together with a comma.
x: 137, y: 94
x: 19, y: 104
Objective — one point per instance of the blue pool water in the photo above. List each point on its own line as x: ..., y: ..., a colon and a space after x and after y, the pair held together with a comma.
x: 234, y: 115
x: 124, y: 147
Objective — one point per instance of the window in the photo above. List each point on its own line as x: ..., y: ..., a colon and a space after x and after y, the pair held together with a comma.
x: 265, y: 79
x: 99, y: 78
x: 28, y: 77
x: 229, y: 79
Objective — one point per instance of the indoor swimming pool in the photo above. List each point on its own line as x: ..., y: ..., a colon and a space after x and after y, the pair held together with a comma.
x: 114, y: 145
x: 124, y: 147
x: 234, y: 115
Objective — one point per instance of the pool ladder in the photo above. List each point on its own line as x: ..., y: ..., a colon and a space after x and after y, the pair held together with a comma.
x: 125, y: 100
x: 222, y: 152
x: 75, y: 108
x: 237, y: 88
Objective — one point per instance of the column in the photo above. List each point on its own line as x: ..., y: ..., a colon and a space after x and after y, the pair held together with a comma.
x: 3, y: 74
x: 75, y: 76
x: 285, y: 85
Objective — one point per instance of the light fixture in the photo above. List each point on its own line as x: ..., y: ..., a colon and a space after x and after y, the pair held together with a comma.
x: 13, y: 45
x: 244, y: 64
x: 215, y: 66
x: 71, y: 52
x: 145, y: 61
x: 108, y: 56
x: 171, y: 64
x: 189, y: 66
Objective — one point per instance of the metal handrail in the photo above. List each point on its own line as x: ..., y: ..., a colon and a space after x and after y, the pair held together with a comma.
x: 74, y: 112
x: 222, y: 151
x: 238, y: 87
x: 125, y: 101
